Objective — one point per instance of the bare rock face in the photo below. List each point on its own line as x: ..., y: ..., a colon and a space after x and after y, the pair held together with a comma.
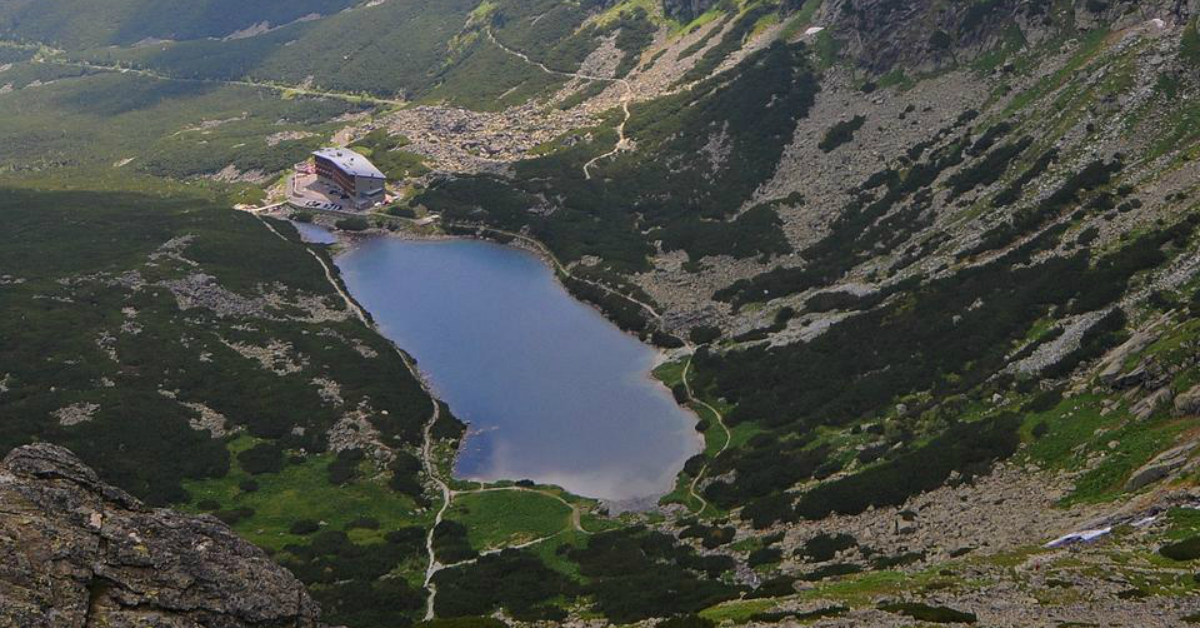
x: 925, y: 35
x: 80, y: 553
x: 1188, y: 403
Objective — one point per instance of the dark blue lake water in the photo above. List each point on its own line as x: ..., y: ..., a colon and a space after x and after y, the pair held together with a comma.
x: 553, y: 392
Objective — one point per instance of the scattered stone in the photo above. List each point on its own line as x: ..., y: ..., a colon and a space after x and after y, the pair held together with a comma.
x: 1161, y: 466
x: 78, y: 552
x: 207, y: 419
x: 1188, y: 403
x: 329, y: 390
x: 76, y: 413
x: 278, y: 357
x: 1146, y: 407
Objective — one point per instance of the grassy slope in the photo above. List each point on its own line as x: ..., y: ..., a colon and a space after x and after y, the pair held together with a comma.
x: 500, y: 518
x: 94, y: 23
x: 92, y: 122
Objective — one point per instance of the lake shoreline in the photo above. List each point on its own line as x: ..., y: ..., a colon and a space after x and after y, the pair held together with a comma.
x: 346, y: 242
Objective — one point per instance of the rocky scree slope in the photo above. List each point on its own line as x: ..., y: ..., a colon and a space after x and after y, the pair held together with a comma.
x: 82, y: 553
x: 882, y: 35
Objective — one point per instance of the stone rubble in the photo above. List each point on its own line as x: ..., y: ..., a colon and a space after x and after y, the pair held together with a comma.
x: 79, y: 552
x: 76, y: 413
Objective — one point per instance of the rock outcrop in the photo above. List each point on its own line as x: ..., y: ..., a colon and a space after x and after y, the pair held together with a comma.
x: 1162, y: 466
x: 924, y: 36
x: 80, y: 553
x: 1188, y: 403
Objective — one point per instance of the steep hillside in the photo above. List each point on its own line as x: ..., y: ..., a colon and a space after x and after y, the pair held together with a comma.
x: 93, y: 23
x: 77, y: 552
x: 203, y: 358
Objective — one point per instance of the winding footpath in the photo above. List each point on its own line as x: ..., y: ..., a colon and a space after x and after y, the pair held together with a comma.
x: 448, y: 496
x: 720, y: 421
x: 622, y: 141
x: 428, y: 458
x: 285, y: 89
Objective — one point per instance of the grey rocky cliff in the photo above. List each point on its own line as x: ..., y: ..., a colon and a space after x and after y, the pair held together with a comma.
x: 80, y: 553
x: 926, y: 36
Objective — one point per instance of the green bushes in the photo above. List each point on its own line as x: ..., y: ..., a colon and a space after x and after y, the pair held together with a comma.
x: 185, y: 352
x: 840, y: 134
x: 636, y: 34
x: 989, y: 138
x: 782, y: 316
x: 831, y: 571
x: 344, y: 467
x: 764, y: 556
x: 944, y: 337
x: 940, y: 40
x: 755, y: 232
x: 262, y: 458
x: 513, y: 580
x: 730, y: 41
x: 689, y: 207
x: 1104, y: 335
x: 779, y: 586
x: 898, y: 560
x: 704, y: 334
x: 761, y: 512
x: 760, y: 476
x: 405, y: 480
x: 626, y: 314
x: 925, y: 612
x: 825, y: 546
x: 304, y: 527
x: 356, y: 223
x: 988, y: 170
x: 1044, y: 401
x: 1189, y: 49
x: 450, y: 543
x: 1091, y: 177
x: 1187, y: 549
x: 1012, y: 193
x: 862, y: 228
x: 710, y: 538
x: 233, y: 516
x: 347, y: 578
x: 634, y: 575
x: 969, y: 449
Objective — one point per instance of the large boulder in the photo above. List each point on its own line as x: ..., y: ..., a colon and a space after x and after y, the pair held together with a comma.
x: 1188, y: 403
x: 80, y: 553
x: 1161, y: 466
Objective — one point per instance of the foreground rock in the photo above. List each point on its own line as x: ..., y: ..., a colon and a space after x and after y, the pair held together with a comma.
x: 78, y: 552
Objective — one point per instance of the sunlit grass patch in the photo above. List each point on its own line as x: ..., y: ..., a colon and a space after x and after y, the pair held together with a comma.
x: 500, y: 518
x: 302, y: 491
